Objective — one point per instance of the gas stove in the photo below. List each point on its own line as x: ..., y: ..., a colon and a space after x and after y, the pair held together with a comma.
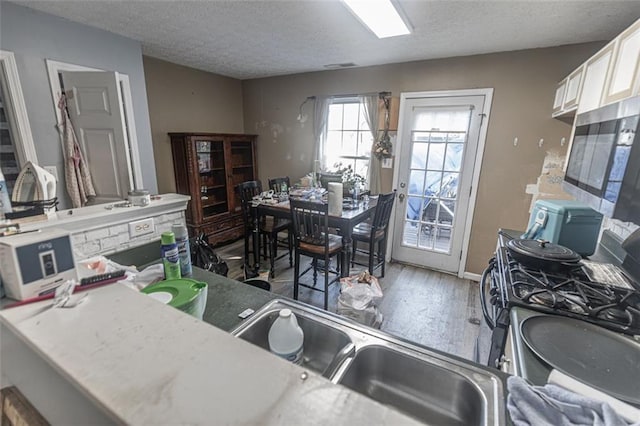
x: 511, y: 292
x: 572, y: 293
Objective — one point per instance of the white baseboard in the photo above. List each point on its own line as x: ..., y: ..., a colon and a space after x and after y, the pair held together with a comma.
x: 471, y: 276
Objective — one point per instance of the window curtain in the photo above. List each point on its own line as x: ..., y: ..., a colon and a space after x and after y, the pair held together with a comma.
x: 320, y: 115
x: 370, y: 104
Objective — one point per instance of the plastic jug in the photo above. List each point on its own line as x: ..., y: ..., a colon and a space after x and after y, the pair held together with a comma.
x: 286, y: 338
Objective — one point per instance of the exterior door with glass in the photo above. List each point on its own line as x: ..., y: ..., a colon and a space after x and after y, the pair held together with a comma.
x: 439, y: 138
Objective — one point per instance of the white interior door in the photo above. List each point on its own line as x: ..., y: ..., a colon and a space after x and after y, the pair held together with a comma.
x: 438, y: 143
x: 94, y: 100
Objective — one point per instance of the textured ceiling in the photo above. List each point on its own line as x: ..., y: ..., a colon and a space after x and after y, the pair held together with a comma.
x: 252, y: 39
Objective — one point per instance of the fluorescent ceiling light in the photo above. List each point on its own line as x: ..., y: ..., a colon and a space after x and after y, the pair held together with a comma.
x: 380, y: 16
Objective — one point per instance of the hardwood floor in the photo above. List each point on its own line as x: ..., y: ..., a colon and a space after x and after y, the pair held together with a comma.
x: 428, y: 307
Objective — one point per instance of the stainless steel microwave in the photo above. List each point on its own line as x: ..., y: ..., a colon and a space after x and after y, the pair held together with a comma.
x: 603, y: 170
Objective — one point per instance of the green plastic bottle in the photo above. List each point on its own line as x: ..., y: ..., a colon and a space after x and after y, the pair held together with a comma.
x: 170, y: 256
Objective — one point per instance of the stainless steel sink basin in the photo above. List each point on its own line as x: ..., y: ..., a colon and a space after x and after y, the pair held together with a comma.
x: 422, y: 390
x: 322, y: 343
x: 427, y: 385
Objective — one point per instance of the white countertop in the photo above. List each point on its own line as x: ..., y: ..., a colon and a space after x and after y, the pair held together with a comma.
x: 98, y: 215
x: 142, y: 362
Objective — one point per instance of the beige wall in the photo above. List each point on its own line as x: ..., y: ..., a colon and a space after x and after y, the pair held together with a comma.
x: 184, y: 99
x: 524, y: 85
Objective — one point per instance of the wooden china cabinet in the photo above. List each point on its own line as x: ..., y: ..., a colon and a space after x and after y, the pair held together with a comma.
x: 208, y: 166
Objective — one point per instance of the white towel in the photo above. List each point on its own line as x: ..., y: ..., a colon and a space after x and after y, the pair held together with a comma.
x: 625, y: 410
x: 553, y: 405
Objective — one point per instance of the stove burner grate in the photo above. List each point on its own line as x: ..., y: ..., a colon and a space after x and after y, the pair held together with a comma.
x: 571, y: 293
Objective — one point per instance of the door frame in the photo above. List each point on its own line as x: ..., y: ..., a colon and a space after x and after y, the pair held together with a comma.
x: 25, y: 148
x: 54, y: 68
x: 477, y: 164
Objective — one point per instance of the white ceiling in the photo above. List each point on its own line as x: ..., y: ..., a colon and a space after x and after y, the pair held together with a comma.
x: 252, y: 39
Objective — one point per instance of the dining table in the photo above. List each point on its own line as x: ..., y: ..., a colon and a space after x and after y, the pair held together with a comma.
x: 343, y: 223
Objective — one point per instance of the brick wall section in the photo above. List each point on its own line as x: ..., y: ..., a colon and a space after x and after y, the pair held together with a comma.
x: 115, y: 237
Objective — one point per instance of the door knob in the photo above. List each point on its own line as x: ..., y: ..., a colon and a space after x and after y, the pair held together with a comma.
x: 401, y: 197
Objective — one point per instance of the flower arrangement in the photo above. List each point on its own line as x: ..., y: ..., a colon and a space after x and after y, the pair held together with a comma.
x: 383, y: 148
x: 349, y: 177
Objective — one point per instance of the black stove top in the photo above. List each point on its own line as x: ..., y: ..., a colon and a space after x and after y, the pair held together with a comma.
x: 570, y: 293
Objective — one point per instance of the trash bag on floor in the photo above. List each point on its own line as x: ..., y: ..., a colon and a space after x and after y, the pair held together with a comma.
x: 359, y: 296
x: 203, y: 256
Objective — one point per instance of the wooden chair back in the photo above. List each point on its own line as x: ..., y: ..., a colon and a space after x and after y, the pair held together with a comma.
x: 310, y: 221
x: 280, y: 184
x: 246, y: 191
x: 325, y: 178
x: 382, y: 215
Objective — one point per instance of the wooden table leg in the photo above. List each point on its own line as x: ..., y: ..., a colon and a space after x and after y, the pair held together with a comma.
x: 256, y: 240
x: 347, y: 246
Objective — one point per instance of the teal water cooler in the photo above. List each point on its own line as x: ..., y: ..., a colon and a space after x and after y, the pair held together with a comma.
x: 567, y: 223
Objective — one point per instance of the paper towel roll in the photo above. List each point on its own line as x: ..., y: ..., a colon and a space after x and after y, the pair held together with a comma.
x: 335, y: 198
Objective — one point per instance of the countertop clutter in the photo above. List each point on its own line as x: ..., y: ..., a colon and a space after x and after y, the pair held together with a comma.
x: 130, y: 359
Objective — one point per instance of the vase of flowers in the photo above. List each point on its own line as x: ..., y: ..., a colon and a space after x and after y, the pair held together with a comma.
x: 350, y: 179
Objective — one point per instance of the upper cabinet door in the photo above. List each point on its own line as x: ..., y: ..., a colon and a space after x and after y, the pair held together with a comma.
x: 572, y: 94
x: 558, y: 99
x: 596, y: 72
x: 625, y: 73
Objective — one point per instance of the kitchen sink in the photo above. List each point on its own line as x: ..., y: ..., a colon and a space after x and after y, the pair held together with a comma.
x: 430, y: 386
x: 420, y: 389
x: 322, y: 343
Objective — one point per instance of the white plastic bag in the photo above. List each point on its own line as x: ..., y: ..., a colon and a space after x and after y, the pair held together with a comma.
x: 358, y: 300
x: 134, y: 279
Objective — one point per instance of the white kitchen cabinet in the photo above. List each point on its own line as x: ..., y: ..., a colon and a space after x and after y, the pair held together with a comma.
x: 611, y: 75
x: 568, y: 93
x: 596, y: 73
x: 625, y: 76
x: 558, y: 100
x: 572, y: 94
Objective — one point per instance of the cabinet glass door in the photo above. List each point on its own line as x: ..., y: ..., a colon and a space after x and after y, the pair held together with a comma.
x: 212, y: 172
x: 241, y: 165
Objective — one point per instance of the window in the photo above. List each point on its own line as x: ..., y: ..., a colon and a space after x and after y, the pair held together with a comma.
x: 349, y: 138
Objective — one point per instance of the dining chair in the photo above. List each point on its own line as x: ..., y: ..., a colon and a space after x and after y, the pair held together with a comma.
x: 374, y: 234
x: 311, y: 238
x: 325, y: 178
x: 280, y: 184
x: 268, y: 228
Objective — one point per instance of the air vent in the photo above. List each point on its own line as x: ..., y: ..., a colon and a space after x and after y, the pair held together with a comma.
x: 343, y: 65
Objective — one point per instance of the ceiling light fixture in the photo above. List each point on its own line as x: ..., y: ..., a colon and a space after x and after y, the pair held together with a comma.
x: 380, y: 16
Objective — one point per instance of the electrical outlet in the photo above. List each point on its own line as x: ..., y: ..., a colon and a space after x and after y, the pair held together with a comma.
x: 141, y: 227
x: 53, y: 170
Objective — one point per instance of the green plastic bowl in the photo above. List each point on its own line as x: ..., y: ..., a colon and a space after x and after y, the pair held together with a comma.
x: 185, y: 294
